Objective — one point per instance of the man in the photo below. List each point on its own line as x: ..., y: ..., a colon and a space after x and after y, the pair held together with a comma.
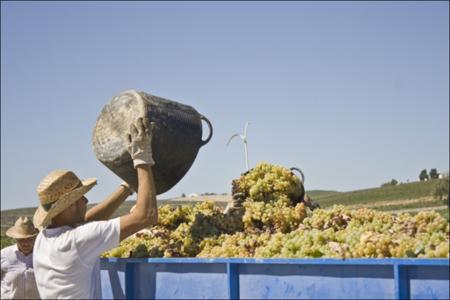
x: 17, y: 262
x: 67, y: 249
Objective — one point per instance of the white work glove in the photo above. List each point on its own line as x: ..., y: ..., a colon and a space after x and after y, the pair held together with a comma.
x: 140, y: 143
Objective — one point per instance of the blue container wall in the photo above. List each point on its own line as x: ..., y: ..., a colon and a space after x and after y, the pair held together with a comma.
x: 315, y: 282
x: 191, y: 278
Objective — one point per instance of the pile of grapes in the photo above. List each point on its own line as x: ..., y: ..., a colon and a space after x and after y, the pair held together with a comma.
x: 272, y: 225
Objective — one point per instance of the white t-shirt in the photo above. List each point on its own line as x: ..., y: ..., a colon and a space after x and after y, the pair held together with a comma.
x: 17, y: 275
x: 66, y: 259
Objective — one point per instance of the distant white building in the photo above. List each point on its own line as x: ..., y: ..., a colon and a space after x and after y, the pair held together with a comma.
x: 443, y: 175
x: 192, y: 195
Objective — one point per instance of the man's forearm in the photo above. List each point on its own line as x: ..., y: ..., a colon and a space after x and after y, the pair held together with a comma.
x: 147, y: 190
x: 105, y: 209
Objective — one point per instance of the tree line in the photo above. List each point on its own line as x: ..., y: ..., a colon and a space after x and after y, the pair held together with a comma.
x: 424, y: 176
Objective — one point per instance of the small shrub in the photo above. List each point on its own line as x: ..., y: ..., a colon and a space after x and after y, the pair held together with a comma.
x: 441, y: 190
x: 393, y: 182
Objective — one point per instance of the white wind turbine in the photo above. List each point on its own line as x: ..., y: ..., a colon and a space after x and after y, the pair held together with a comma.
x: 244, y: 139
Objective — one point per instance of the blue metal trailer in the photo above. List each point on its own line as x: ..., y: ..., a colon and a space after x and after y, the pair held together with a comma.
x: 235, y: 278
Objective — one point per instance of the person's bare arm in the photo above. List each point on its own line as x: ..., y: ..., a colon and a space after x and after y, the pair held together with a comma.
x: 139, y: 147
x: 146, y: 213
x: 105, y: 209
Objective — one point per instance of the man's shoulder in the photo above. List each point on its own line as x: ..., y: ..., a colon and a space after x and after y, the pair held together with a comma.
x: 58, y: 237
x: 95, y: 228
x: 8, y: 255
x: 8, y: 250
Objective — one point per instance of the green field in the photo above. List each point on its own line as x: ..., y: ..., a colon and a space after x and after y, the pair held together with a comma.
x: 315, y: 194
x: 434, y: 203
x: 403, y: 191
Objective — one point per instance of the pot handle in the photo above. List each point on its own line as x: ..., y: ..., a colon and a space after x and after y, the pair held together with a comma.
x: 202, y: 117
x: 301, y: 173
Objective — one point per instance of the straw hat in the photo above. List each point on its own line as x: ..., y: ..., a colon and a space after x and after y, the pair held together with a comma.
x: 57, y: 191
x: 22, y: 229
x: 38, y: 217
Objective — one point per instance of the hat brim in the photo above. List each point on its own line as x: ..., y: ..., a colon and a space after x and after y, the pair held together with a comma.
x: 38, y: 217
x: 13, y: 233
x: 42, y: 218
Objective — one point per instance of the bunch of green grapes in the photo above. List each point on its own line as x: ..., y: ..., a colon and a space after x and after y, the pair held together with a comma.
x: 383, y: 234
x: 206, y: 208
x: 337, y: 218
x: 389, y: 244
x: 373, y: 220
x: 433, y: 233
x: 430, y: 221
x: 171, y: 217
x: 203, y: 220
x: 380, y: 234
x: 302, y: 243
x: 209, y: 220
x: 345, y: 233
x: 267, y: 182
x: 239, y: 244
x: 276, y: 216
x: 216, y: 224
x: 182, y: 243
x: 373, y: 244
x: 152, y: 243
x: 179, y: 233
x: 272, y: 247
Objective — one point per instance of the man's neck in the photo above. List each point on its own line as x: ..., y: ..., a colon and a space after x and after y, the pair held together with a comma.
x: 57, y: 225
x: 23, y: 252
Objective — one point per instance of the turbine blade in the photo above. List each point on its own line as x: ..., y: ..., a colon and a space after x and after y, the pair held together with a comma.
x: 233, y: 136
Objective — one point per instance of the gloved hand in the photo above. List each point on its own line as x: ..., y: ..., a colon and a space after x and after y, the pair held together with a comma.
x: 140, y: 143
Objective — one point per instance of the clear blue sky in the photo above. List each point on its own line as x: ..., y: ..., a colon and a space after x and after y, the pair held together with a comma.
x: 353, y: 93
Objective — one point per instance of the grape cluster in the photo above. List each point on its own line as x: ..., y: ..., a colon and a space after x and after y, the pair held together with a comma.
x: 267, y: 183
x: 272, y: 224
x: 275, y: 216
x: 240, y: 244
x: 179, y: 232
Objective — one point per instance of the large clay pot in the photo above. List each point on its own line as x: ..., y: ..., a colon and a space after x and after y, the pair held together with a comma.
x: 177, y: 137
